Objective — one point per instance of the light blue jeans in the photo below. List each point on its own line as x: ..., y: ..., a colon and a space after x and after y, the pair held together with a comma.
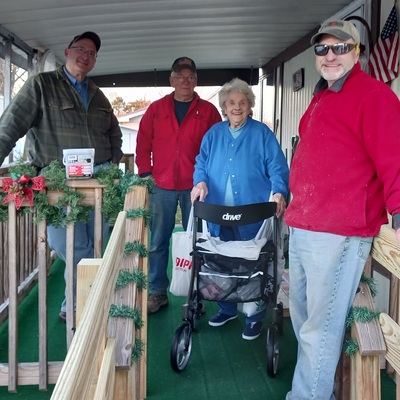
x: 325, y: 272
x: 163, y: 205
x: 83, y: 240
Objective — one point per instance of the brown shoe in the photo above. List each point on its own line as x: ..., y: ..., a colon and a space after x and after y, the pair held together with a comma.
x: 155, y: 302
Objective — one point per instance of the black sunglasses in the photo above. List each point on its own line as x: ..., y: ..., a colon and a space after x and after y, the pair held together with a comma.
x: 337, y: 48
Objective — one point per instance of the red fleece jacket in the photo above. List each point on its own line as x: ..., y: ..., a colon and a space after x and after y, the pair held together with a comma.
x: 168, y: 150
x: 346, y: 169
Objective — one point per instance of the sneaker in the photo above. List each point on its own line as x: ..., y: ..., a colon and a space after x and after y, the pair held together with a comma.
x: 221, y: 319
x: 155, y: 302
x: 252, y: 331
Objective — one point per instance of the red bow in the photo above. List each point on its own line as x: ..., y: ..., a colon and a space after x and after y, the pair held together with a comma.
x: 20, y: 189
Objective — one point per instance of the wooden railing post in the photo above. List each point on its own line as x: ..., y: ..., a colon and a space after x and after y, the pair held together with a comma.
x: 69, y: 281
x: 13, y: 301
x: 42, y: 278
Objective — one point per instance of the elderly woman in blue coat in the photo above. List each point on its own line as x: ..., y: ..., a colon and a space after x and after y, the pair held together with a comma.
x: 240, y: 162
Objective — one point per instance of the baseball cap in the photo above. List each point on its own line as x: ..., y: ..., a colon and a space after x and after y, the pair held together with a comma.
x: 344, y: 30
x: 87, y: 35
x: 182, y: 63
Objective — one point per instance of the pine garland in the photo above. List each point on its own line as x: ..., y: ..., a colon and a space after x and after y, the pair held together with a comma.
x: 351, y: 347
x: 124, y: 311
x: 130, y: 179
x: 138, y: 213
x: 360, y: 314
x: 137, y: 248
x: 113, y: 200
x: 370, y: 282
x: 44, y: 211
x: 55, y: 176
x: 23, y: 169
x: 137, y: 350
x: 3, y: 209
x: 125, y: 277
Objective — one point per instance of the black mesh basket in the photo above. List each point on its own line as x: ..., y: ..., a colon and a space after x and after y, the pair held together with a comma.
x: 236, y: 280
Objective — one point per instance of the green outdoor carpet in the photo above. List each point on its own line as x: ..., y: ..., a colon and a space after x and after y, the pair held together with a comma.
x: 222, y: 365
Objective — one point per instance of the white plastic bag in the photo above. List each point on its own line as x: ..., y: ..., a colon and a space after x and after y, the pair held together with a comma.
x: 246, y: 249
x: 182, y: 246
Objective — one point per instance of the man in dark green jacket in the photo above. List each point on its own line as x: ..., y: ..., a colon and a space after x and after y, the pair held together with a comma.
x: 63, y: 109
x: 59, y: 110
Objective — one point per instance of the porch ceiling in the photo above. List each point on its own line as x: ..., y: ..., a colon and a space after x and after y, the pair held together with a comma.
x: 140, y: 36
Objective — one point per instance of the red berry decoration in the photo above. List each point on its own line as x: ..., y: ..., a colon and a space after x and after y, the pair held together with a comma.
x: 25, y: 179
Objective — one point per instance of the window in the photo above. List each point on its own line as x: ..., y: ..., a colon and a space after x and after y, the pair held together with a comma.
x: 14, y: 71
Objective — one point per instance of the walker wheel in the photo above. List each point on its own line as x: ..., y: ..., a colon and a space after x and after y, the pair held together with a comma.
x: 272, y: 349
x: 181, y: 347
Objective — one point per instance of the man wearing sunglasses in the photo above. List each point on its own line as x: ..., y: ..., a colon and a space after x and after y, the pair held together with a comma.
x: 345, y: 176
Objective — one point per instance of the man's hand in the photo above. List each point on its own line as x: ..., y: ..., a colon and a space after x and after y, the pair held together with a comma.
x: 199, y: 192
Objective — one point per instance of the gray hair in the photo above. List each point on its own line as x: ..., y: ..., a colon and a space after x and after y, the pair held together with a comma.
x: 236, y: 85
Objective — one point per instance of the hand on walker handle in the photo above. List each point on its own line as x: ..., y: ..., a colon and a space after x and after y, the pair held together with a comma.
x: 199, y: 192
x: 281, y: 204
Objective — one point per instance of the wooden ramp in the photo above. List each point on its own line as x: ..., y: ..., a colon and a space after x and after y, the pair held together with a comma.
x: 98, y: 364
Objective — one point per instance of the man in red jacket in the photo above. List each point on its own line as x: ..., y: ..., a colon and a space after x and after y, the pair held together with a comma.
x: 344, y: 177
x: 168, y: 142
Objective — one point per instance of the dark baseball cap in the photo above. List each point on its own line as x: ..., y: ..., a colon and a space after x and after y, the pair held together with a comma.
x: 87, y: 35
x: 182, y: 63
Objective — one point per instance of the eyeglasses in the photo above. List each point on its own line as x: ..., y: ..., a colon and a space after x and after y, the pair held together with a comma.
x: 337, y: 48
x: 181, y: 78
x: 83, y: 51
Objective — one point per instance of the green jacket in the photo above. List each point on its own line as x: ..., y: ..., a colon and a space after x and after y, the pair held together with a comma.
x: 50, y: 112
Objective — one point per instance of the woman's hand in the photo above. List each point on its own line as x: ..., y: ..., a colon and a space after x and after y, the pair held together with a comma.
x: 281, y: 204
x: 199, y: 192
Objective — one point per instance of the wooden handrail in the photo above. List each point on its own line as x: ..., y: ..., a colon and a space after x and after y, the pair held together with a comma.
x: 79, y: 369
x: 99, y: 361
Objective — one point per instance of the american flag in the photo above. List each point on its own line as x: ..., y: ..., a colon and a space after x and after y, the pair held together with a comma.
x: 384, y: 59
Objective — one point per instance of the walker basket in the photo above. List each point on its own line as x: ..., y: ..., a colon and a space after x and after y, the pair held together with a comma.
x: 233, y: 279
